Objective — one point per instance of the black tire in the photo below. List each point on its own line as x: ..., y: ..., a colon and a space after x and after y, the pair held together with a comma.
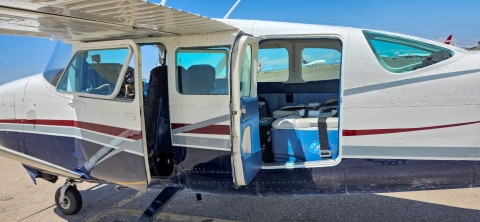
x: 73, y: 198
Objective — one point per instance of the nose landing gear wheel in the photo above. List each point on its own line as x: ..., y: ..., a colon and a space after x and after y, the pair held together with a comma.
x: 72, y: 201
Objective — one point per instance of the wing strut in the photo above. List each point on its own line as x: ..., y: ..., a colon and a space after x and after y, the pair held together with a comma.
x: 156, y: 207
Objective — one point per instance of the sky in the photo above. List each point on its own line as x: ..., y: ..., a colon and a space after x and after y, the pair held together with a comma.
x: 435, y: 20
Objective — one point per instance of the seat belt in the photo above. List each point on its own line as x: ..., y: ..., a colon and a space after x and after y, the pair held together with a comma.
x: 323, y: 137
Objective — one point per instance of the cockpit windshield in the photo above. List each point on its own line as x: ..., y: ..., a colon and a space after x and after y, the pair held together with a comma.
x: 57, y: 63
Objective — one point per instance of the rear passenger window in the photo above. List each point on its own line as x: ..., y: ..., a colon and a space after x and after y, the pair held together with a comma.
x: 400, y: 55
x: 320, y: 64
x: 202, y: 71
x: 273, y: 65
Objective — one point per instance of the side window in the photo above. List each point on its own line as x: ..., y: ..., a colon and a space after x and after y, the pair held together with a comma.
x: 202, y: 71
x: 95, y: 71
x: 320, y: 64
x: 400, y: 55
x: 273, y: 65
x: 246, y: 72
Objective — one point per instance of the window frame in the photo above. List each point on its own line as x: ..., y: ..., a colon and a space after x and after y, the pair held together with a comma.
x: 316, y: 47
x: 206, y: 50
x: 289, y: 54
x: 412, y: 43
x: 118, y: 85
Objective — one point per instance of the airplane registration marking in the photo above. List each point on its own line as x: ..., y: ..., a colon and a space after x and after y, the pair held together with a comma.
x: 366, y: 132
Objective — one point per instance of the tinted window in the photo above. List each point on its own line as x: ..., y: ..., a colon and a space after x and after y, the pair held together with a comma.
x: 202, y: 71
x: 94, y: 71
x: 320, y: 64
x: 273, y: 65
x: 399, y: 55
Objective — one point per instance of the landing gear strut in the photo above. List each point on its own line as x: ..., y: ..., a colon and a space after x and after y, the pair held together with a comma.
x: 68, y: 198
x: 167, y: 194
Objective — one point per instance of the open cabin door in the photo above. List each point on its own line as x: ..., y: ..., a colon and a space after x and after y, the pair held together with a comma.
x: 104, y: 83
x: 246, y: 155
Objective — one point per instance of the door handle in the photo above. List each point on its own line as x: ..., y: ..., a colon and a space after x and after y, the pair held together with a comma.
x: 129, y: 114
x: 72, y: 103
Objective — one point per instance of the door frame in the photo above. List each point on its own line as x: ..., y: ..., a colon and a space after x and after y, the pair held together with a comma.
x: 344, y: 42
x: 241, y: 42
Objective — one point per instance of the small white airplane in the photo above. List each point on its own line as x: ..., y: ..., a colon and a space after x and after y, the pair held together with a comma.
x: 411, y: 55
x: 472, y: 48
x: 372, y: 125
x: 313, y: 63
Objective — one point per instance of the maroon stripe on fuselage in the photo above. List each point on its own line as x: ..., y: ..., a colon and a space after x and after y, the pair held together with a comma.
x: 212, y: 129
x: 399, y: 130
x: 110, y: 130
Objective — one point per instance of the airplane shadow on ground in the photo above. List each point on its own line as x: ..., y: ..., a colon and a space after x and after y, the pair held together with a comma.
x: 104, y: 203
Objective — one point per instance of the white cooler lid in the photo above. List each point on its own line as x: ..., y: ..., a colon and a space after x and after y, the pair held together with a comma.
x: 297, y: 122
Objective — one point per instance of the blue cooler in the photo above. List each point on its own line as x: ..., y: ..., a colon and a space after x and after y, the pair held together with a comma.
x: 295, y: 139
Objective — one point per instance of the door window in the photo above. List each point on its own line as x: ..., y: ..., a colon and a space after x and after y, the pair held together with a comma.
x: 245, y: 74
x: 202, y: 71
x: 95, y: 71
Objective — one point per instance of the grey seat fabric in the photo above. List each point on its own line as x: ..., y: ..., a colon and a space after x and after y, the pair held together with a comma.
x: 181, y: 78
x: 157, y: 116
x: 221, y: 87
x: 198, y: 80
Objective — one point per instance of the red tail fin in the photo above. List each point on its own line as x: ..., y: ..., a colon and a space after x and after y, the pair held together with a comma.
x: 449, y: 39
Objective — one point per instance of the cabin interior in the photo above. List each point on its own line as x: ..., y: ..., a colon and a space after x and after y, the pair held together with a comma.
x: 298, y: 85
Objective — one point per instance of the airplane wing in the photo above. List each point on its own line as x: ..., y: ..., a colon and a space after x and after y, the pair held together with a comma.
x: 87, y: 20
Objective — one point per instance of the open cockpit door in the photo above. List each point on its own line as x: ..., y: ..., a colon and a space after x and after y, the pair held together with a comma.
x: 103, y: 82
x: 246, y: 155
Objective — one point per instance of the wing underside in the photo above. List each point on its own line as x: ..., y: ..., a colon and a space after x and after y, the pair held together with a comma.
x: 92, y: 20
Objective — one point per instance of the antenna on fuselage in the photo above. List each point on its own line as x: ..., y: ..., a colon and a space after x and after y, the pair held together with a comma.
x: 231, y: 10
x: 162, y: 3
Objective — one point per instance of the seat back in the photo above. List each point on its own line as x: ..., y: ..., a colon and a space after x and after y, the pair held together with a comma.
x: 200, y: 80
x: 156, y: 103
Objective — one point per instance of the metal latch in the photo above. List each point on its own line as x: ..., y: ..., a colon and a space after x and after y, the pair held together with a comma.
x: 325, y: 153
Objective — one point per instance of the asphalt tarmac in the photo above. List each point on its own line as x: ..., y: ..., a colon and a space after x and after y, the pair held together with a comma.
x: 21, y: 200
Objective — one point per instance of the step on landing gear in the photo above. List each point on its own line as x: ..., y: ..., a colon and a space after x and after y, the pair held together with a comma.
x: 68, y: 198
x: 167, y: 194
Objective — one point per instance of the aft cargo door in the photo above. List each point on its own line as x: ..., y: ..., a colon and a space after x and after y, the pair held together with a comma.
x: 104, y: 84
x: 247, y: 156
